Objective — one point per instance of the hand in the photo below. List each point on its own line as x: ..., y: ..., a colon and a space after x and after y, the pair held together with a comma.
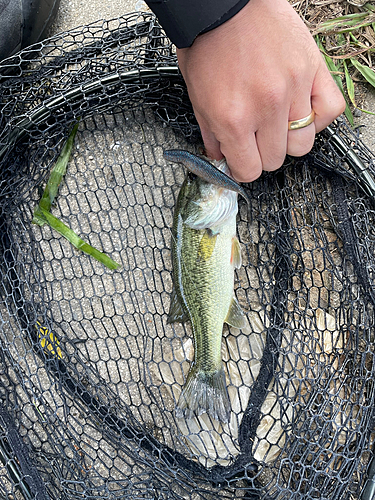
x: 248, y: 77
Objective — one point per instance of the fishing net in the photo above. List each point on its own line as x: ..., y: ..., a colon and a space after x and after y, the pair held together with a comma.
x: 90, y: 371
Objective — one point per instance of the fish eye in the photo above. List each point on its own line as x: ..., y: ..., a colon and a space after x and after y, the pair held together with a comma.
x: 191, y: 177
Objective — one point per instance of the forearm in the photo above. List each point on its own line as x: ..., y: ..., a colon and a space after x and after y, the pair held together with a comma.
x: 184, y: 20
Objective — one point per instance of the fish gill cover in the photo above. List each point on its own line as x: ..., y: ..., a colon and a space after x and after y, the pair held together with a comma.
x: 91, y: 370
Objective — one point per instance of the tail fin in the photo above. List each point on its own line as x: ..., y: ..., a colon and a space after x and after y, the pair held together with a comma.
x: 204, y: 392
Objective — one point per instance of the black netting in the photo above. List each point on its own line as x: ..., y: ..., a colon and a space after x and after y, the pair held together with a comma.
x: 90, y: 371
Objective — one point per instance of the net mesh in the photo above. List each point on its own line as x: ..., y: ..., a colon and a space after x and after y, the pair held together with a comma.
x: 90, y: 371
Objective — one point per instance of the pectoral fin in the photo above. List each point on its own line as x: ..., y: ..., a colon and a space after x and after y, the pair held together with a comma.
x: 235, y: 316
x: 206, y: 246
x: 236, y: 258
x: 176, y: 312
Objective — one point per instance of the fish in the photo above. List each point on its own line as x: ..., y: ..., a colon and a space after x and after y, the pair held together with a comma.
x: 205, y: 253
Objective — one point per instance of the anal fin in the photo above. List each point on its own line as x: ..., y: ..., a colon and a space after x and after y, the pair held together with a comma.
x: 235, y: 316
x: 176, y: 312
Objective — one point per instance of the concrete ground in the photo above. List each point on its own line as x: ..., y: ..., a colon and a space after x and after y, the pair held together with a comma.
x: 73, y: 13
x: 368, y: 121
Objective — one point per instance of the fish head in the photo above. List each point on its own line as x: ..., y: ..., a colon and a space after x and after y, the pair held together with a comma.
x: 205, y: 206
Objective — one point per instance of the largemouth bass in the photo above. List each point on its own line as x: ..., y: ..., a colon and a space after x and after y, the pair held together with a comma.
x: 205, y: 252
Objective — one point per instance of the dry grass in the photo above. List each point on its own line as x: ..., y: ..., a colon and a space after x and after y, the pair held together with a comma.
x: 345, y: 33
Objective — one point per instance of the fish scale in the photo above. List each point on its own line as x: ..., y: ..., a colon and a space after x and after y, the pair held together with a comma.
x: 206, y: 282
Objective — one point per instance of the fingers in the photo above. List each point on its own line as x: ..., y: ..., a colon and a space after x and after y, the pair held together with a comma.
x: 252, y: 145
x: 327, y: 102
x: 249, y: 148
x: 238, y: 146
x: 271, y: 138
x: 326, y: 99
x: 300, y: 141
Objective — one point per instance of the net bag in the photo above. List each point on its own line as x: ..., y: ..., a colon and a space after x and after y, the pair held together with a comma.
x: 90, y: 370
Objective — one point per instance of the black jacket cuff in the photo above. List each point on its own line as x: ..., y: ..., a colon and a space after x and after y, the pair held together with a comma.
x: 184, y: 20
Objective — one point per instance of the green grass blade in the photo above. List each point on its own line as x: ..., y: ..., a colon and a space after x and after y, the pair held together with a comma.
x: 355, y: 40
x: 339, y: 20
x: 334, y: 69
x: 55, y: 178
x: 42, y: 214
x: 349, y: 84
x: 38, y: 217
x: 368, y: 73
x: 347, y: 23
x: 366, y: 111
x: 75, y: 240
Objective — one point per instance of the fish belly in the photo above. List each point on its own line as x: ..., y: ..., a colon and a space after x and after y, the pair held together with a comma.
x: 207, y: 290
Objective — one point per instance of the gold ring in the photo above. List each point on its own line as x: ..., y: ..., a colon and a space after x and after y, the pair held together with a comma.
x: 303, y: 122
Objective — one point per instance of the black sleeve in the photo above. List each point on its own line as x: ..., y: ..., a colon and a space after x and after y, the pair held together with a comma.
x: 184, y: 20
